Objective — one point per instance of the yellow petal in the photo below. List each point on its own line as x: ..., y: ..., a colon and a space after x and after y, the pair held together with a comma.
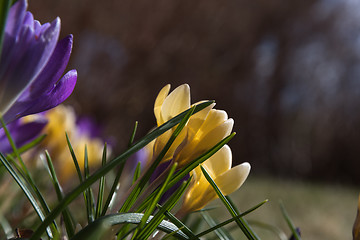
x: 197, y: 120
x: 214, y: 119
x: 159, y: 102
x: 220, y: 162
x: 214, y: 136
x: 231, y: 180
x: 177, y: 102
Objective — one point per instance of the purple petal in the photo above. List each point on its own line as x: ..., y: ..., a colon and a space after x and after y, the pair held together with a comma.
x: 31, y: 54
x: 21, y: 133
x: 36, y: 57
x: 53, y: 70
x: 28, y: 20
x: 12, y: 82
x: 57, y: 95
x: 15, y: 18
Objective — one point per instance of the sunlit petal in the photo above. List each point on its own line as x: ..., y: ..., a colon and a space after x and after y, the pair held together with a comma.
x: 231, y: 180
x: 176, y: 102
x: 159, y: 102
x: 220, y: 162
x: 215, y: 135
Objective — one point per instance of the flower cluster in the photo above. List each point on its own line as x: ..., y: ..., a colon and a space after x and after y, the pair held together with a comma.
x: 203, y: 130
x: 32, y: 62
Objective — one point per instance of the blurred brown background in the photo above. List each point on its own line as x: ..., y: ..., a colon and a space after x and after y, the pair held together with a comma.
x: 288, y: 72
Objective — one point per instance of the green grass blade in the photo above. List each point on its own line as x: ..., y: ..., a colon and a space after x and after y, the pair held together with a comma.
x: 13, y: 146
x: 271, y: 228
x: 289, y: 222
x: 160, y: 215
x: 111, y: 165
x: 231, y: 219
x: 100, y: 198
x: 131, y: 141
x: 73, y: 156
x: 113, y: 189
x: 89, y: 197
x: 179, y: 224
x: 68, y: 218
x: 145, y: 179
x: 29, y: 145
x: 152, y: 206
x: 26, y: 174
x: 137, y: 172
x: 238, y: 212
x: 26, y: 191
x: 241, y: 223
x: 105, y: 227
x: 220, y: 233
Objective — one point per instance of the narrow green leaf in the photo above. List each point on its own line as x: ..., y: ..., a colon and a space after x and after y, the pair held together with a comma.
x: 160, y: 215
x: 179, y: 224
x: 105, y: 227
x: 273, y: 229
x: 241, y: 223
x: 100, y: 198
x: 131, y: 141
x: 113, y: 189
x: 220, y: 233
x: 238, y: 212
x: 26, y: 174
x: 111, y: 165
x: 89, y: 197
x: 13, y: 146
x: 156, y: 199
x: 68, y: 218
x: 29, y: 145
x: 72, y: 152
x: 231, y: 219
x: 137, y: 172
x: 25, y: 189
x: 289, y: 222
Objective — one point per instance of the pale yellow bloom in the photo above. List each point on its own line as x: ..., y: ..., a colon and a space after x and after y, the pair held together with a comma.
x: 228, y: 179
x: 60, y: 120
x: 204, y: 129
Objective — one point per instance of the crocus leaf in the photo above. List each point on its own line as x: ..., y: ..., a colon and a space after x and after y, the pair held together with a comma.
x: 220, y: 232
x: 289, y: 222
x: 68, y: 218
x: 106, y: 227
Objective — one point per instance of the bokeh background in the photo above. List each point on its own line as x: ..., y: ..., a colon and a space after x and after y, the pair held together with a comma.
x: 288, y: 72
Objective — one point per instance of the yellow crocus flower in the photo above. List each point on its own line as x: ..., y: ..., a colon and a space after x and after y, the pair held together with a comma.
x: 228, y: 179
x: 203, y: 131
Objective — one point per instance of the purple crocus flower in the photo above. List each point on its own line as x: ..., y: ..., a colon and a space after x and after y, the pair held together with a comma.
x: 31, y: 65
x: 21, y: 132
